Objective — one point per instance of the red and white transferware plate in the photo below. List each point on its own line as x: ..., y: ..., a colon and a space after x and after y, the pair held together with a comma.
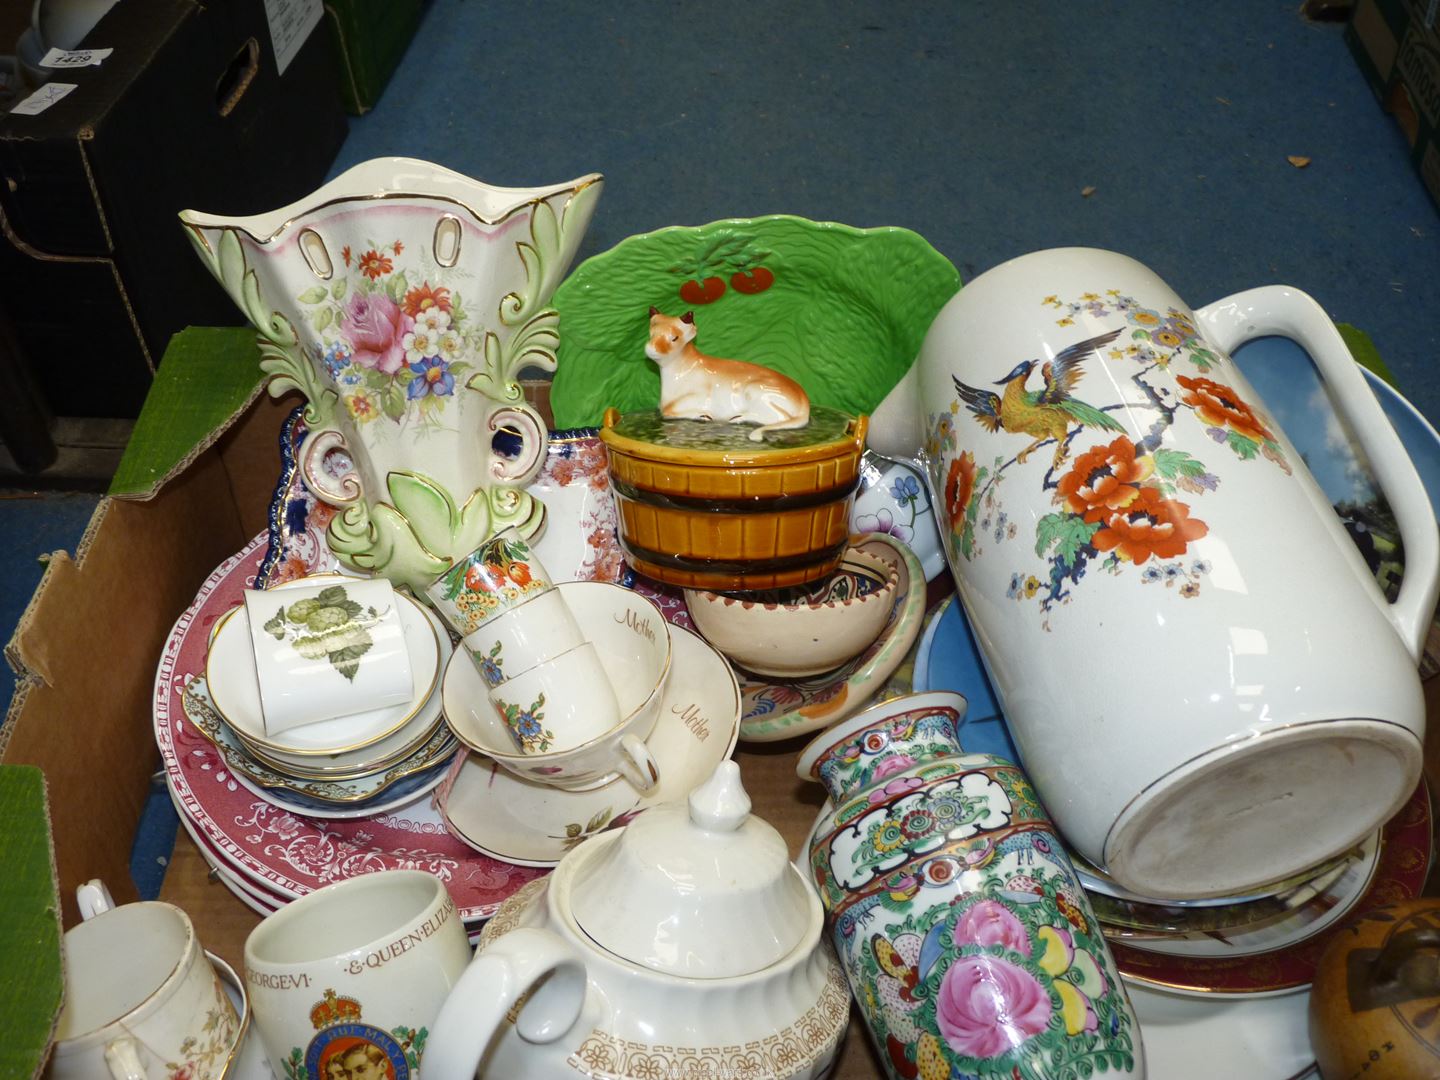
x: 285, y: 854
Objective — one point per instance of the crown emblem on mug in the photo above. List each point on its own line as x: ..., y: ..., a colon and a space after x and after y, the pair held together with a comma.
x: 334, y: 1010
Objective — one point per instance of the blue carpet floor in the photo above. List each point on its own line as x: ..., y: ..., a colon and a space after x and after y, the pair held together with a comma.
x: 981, y: 126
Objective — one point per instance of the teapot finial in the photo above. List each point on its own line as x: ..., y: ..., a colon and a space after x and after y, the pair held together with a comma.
x: 720, y: 804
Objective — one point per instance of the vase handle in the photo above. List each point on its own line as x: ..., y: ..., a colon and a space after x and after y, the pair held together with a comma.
x: 524, y: 423
x: 318, y: 443
x: 1278, y: 310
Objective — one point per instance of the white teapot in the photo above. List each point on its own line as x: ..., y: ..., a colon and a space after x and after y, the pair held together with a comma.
x: 685, y: 944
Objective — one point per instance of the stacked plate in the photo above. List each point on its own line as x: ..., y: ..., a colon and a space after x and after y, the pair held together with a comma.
x: 273, y: 836
x: 354, y: 765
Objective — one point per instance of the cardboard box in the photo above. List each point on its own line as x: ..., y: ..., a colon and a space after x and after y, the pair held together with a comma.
x: 190, y: 109
x: 1397, y: 45
x: 370, y: 37
x: 87, y: 648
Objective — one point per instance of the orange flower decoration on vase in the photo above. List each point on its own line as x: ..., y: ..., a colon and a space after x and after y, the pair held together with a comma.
x: 960, y: 485
x: 1219, y: 406
x: 423, y: 297
x: 1149, y: 525
x: 373, y: 264
x: 1104, y: 479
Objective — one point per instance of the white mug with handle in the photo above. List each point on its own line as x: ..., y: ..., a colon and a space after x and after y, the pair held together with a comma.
x: 1206, y: 684
x: 142, y: 1001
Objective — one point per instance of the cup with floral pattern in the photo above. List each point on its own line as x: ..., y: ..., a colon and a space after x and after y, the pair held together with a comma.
x: 537, y: 629
x: 500, y: 574
x: 558, y: 704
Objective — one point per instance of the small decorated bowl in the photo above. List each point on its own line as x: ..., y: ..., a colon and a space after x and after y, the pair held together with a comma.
x: 792, y: 633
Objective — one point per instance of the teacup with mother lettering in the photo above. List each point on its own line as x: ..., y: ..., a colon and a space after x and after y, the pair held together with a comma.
x: 347, y: 980
x: 628, y: 641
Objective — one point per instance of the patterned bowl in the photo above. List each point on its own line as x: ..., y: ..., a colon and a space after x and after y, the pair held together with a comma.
x: 795, y: 632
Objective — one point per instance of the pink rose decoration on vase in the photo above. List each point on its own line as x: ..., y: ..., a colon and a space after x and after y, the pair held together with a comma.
x: 376, y: 328
x: 891, y: 765
x: 987, y: 1006
x: 894, y: 787
x: 991, y: 923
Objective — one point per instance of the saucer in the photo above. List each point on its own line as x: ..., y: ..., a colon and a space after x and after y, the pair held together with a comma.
x: 1286, y: 962
x: 230, y: 674
x: 247, y: 1059
x: 1190, y: 1038
x: 528, y: 824
x: 1136, y: 921
x: 357, y: 797
x: 281, y: 851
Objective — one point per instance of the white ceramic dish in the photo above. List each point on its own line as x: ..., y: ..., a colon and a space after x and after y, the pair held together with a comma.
x: 1188, y: 1038
x: 1308, y: 919
x: 529, y: 824
x: 230, y: 674
x: 285, y: 853
x: 355, y: 797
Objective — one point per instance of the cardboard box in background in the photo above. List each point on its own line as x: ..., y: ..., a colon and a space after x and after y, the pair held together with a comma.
x: 200, y: 485
x: 191, y: 109
x: 370, y: 37
x: 1397, y: 45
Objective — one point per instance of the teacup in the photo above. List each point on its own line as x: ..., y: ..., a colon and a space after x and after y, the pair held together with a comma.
x: 632, y: 639
x: 559, y: 704
x: 142, y: 1001
x: 351, y: 976
x: 500, y: 574
x: 532, y: 632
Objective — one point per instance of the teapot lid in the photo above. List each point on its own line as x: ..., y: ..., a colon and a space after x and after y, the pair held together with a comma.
x: 700, y: 889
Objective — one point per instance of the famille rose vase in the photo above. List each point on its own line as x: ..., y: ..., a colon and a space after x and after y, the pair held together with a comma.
x: 403, y: 300
x: 964, y: 932
x: 1204, y: 681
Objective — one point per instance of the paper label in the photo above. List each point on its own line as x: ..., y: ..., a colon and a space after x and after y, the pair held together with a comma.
x: 42, y: 99
x: 74, y: 58
x: 290, y: 24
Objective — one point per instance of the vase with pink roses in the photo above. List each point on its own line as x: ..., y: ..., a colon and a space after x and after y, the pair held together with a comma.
x: 962, y: 927
x: 403, y: 301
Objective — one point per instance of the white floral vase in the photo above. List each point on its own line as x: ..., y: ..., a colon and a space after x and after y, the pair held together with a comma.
x: 403, y: 300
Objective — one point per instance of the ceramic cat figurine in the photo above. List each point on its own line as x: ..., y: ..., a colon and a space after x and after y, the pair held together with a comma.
x: 700, y: 387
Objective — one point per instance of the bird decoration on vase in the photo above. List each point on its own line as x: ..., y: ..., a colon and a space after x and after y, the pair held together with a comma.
x: 1047, y: 413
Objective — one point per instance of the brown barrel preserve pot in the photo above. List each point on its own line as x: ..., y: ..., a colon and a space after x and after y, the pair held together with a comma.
x: 703, y: 506
x: 1375, y: 1002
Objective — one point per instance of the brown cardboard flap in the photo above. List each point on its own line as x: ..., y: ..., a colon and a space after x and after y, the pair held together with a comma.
x: 87, y: 649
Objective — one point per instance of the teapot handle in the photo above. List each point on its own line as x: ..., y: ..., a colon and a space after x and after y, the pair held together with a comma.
x: 1286, y: 312
x: 529, y: 963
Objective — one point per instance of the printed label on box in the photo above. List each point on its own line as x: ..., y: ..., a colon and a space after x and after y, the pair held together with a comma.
x: 290, y: 24
x: 74, y: 58
x: 1419, y: 66
x: 42, y: 99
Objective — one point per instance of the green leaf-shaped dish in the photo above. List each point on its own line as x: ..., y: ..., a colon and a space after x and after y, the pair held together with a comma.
x: 840, y: 310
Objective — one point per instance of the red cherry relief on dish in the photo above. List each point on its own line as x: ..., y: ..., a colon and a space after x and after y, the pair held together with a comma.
x: 753, y: 281
x: 702, y: 292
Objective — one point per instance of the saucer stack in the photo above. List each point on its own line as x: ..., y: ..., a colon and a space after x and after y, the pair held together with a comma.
x: 357, y: 764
